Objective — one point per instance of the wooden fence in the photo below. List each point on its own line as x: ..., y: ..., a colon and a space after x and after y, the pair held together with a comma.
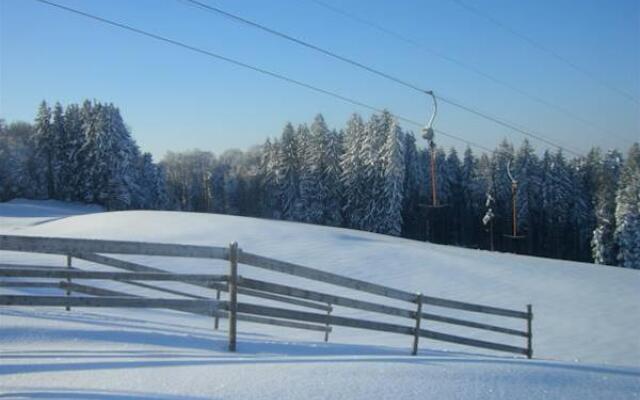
x: 235, y: 284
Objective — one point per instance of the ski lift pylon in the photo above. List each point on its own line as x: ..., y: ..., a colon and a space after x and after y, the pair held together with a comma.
x: 514, y: 213
x: 429, y: 135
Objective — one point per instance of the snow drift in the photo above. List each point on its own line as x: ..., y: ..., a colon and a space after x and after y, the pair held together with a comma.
x: 586, y: 316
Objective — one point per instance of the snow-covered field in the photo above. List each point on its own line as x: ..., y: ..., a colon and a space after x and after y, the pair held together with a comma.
x: 586, y: 326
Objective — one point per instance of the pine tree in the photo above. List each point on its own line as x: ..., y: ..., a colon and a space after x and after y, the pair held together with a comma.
x: 413, y: 221
x: 581, y: 218
x: 501, y: 187
x: 332, y: 181
x: 59, y: 142
x: 87, y: 155
x: 17, y: 162
x: 392, y: 154
x: 377, y: 131
x: 44, y: 145
x: 71, y: 173
x: 270, y: 206
x: 288, y: 166
x: 120, y: 155
x: 486, y: 180
x: 627, y: 233
x: 455, y: 200
x: 603, y: 245
x: 353, y: 165
x: 153, y: 193
x: 474, y: 189
x: 313, y: 189
x: 526, y: 168
x: 556, y: 200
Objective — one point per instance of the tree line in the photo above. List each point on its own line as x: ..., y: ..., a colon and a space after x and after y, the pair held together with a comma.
x: 370, y: 175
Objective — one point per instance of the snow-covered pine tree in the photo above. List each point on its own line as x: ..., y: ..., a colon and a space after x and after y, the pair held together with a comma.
x: 486, y: 180
x: 501, y: 187
x: 443, y: 180
x: 627, y: 233
x: 424, y: 175
x: 59, y: 160
x: 332, y: 174
x: 581, y: 217
x: 17, y: 162
x: 474, y: 190
x: 528, y: 173
x: 270, y: 206
x: 377, y: 130
x: 455, y: 201
x: 603, y: 246
x: 121, y: 156
x: 556, y: 200
x: 44, y: 146
x: 353, y: 165
x: 110, y: 156
x: 153, y: 194
x: 393, y: 163
x: 71, y: 173
x: 413, y: 221
x: 313, y: 190
x: 288, y: 166
x: 88, y: 155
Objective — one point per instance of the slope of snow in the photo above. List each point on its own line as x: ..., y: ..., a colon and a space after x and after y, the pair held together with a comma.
x: 18, y: 213
x: 583, y: 313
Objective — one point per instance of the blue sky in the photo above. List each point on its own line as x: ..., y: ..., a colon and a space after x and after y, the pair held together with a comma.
x: 173, y: 99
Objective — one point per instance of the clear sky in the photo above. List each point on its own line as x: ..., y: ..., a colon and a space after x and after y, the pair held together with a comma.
x: 173, y: 99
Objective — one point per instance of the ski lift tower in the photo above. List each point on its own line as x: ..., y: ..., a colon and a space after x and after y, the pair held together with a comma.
x: 514, y: 237
x: 428, y: 135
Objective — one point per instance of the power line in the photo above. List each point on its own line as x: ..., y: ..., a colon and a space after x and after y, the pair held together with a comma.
x: 250, y: 67
x: 469, y: 67
x: 545, y: 49
x: 504, y: 123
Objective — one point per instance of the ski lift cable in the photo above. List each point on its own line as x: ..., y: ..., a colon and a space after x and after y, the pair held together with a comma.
x: 258, y: 70
x: 469, y: 67
x: 212, y: 9
x: 506, y: 124
x: 554, y: 54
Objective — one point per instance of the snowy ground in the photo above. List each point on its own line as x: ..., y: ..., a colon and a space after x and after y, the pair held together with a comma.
x: 586, y: 322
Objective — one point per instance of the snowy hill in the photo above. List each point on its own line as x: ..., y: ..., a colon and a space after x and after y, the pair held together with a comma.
x: 586, y: 317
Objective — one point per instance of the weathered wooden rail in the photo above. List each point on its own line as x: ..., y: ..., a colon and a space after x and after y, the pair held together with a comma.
x: 235, y: 285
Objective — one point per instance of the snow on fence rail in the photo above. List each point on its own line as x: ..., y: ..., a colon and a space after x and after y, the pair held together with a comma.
x: 234, y: 285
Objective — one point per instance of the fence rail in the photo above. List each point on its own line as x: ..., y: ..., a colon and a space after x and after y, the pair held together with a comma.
x: 130, y: 266
x: 67, y: 246
x: 235, y: 285
x: 78, y: 274
x: 208, y: 306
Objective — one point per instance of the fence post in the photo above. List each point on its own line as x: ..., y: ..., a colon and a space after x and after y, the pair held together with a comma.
x: 529, y: 331
x: 328, y: 325
x: 217, y: 320
x: 416, y: 332
x: 233, y: 293
x: 68, y: 308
